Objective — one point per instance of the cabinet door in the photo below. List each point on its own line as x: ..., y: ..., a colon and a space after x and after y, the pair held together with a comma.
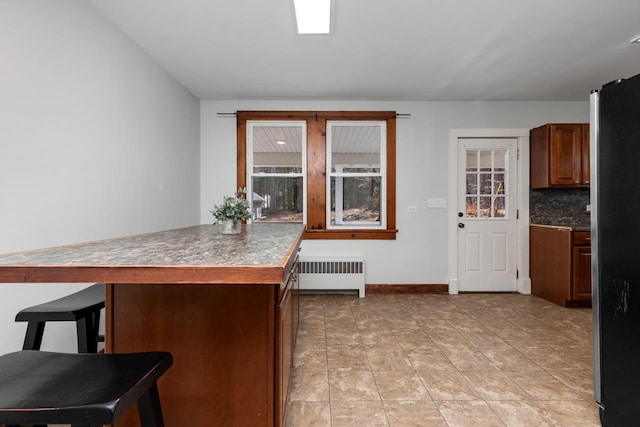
x: 565, y: 154
x: 581, y: 288
x: 539, y: 157
x: 284, y: 313
x: 550, y: 265
x: 586, y: 164
x: 295, y: 301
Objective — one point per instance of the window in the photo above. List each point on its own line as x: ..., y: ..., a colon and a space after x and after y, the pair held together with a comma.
x: 355, y: 151
x: 276, y: 181
x: 333, y: 171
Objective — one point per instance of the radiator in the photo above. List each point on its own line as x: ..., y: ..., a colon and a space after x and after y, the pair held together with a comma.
x: 332, y: 274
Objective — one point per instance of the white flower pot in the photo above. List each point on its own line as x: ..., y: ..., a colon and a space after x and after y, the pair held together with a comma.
x: 229, y: 226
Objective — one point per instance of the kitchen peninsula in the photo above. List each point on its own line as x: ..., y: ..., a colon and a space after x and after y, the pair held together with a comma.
x: 225, y: 306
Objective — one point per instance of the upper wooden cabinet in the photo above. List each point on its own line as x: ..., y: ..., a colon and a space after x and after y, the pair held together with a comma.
x: 560, y: 155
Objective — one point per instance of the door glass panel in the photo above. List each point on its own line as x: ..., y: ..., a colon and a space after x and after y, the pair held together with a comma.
x: 486, y: 191
x: 472, y: 184
x: 499, y: 208
x: 500, y: 160
x: 485, y: 160
x: 485, y: 183
x: 472, y: 207
x: 498, y: 183
x: 472, y: 160
x: 485, y: 207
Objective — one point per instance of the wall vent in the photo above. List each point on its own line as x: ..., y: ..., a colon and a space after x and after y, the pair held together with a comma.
x: 332, y: 274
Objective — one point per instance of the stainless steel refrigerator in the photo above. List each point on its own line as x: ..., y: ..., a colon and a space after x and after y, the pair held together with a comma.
x: 615, y: 243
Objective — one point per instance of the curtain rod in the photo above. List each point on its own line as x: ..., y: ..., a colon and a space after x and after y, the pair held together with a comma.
x: 235, y: 114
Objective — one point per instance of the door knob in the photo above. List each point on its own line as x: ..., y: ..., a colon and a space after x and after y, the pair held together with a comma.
x: 460, y: 225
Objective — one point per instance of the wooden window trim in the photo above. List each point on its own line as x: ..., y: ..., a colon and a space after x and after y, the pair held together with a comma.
x: 316, y: 167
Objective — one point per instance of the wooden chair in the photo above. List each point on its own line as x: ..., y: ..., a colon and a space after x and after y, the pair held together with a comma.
x: 84, y: 390
x: 82, y: 307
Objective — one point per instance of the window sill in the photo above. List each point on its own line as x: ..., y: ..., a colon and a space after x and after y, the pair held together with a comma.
x: 350, y: 234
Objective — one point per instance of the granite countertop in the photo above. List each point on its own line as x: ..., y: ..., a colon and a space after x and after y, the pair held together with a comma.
x: 198, y: 254
x: 572, y: 226
x: 203, y: 245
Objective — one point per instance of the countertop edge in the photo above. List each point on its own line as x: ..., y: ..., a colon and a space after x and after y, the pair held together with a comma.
x: 272, y: 272
x: 563, y: 227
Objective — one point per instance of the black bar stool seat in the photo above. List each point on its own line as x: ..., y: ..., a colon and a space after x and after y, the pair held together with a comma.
x: 82, y: 307
x: 39, y: 387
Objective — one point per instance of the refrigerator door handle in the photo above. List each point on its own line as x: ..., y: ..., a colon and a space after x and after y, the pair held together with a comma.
x: 595, y: 289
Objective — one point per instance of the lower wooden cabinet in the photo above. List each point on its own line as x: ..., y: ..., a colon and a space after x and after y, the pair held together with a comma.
x: 581, y: 287
x: 232, y: 346
x: 560, y: 265
x: 287, y: 313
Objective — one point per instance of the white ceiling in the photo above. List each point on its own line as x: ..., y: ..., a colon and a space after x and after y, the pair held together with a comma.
x: 433, y: 50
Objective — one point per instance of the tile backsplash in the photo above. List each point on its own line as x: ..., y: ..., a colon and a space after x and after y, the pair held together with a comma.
x: 559, y: 206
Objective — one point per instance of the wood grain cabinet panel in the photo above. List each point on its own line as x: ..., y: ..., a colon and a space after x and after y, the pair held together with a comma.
x: 560, y: 155
x: 581, y: 286
x: 232, y: 346
x: 550, y: 266
x: 560, y: 265
x: 287, y: 315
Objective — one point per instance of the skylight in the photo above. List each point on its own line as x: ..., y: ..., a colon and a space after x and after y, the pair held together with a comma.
x: 313, y: 16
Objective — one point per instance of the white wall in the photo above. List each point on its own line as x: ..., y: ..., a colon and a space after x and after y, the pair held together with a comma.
x: 96, y: 141
x: 419, y: 255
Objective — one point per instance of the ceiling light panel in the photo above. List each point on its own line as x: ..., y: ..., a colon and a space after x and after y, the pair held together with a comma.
x: 313, y: 16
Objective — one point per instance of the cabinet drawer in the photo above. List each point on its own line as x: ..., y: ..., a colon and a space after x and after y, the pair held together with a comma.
x: 582, y: 238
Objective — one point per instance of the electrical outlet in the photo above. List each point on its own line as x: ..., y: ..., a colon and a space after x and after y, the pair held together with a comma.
x: 412, y: 209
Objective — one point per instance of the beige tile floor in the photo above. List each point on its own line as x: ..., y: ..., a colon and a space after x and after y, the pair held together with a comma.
x: 425, y: 360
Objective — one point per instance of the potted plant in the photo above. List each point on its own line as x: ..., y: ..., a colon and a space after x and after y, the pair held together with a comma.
x: 232, y: 211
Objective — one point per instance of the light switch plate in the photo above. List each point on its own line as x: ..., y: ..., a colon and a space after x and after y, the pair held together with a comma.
x: 436, y: 203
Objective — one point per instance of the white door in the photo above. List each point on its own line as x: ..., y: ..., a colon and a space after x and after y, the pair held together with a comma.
x: 486, y: 202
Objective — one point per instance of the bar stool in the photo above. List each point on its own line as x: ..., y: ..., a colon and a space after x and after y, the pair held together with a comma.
x: 82, y: 307
x: 84, y: 390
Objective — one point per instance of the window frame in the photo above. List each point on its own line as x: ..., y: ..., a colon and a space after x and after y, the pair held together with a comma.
x: 316, y: 165
x: 382, y: 172
x: 303, y: 174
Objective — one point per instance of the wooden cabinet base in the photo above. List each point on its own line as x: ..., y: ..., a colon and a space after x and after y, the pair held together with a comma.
x: 577, y: 303
x: 560, y: 270
x: 222, y: 338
